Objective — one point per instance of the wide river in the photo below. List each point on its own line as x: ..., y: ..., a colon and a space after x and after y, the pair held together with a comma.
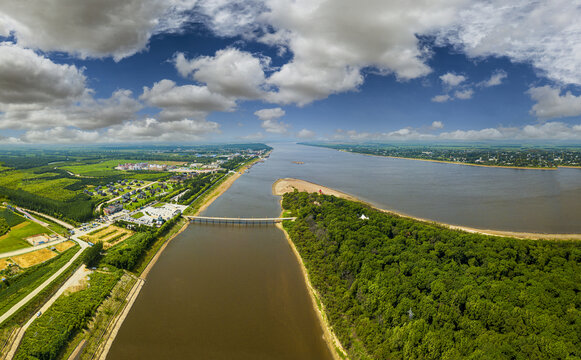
x: 229, y: 292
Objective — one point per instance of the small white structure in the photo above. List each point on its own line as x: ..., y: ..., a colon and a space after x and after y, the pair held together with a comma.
x: 363, y: 217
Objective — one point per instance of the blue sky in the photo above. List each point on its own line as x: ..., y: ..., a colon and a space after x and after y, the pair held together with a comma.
x: 267, y: 70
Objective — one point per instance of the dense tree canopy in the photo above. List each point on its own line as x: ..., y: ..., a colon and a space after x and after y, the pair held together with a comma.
x: 396, y: 288
x: 4, y: 227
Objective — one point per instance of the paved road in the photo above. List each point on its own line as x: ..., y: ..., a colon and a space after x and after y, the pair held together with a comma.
x: 36, y: 291
x: 31, y: 248
x: 98, y: 208
x: 74, y: 279
x: 60, y: 222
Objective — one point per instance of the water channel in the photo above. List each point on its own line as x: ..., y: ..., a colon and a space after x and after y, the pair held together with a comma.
x: 231, y: 292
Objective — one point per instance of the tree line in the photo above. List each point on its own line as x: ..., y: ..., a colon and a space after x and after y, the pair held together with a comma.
x: 396, y: 288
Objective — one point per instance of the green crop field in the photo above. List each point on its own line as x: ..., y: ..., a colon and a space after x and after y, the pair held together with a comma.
x: 14, y: 240
x: 107, y: 168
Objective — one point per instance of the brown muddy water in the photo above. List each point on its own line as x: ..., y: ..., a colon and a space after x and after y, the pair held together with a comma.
x: 221, y: 292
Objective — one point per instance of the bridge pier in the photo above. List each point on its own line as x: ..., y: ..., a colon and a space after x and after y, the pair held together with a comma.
x: 236, y: 221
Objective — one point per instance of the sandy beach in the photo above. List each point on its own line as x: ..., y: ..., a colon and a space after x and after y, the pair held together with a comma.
x: 283, y: 186
x: 332, y: 341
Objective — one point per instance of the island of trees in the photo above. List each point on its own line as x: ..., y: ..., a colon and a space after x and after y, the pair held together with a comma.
x: 489, y: 155
x: 397, y: 288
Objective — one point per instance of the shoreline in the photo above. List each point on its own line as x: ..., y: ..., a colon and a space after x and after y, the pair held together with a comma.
x: 136, y: 289
x: 461, y: 163
x: 329, y: 335
x: 281, y: 186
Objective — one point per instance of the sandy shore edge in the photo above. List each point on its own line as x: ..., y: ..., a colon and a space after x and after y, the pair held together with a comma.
x: 282, y: 186
x: 466, y: 164
x: 134, y: 292
x: 330, y: 338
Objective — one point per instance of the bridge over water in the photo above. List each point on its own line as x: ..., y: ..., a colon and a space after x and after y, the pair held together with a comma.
x: 240, y: 221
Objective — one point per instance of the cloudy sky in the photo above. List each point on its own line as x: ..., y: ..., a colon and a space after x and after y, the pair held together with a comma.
x: 264, y: 70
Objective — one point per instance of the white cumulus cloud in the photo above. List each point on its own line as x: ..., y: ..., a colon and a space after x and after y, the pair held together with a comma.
x: 187, y: 101
x: 452, y: 80
x: 464, y: 94
x: 551, y: 104
x: 269, y: 120
x: 544, y: 33
x: 91, y: 28
x: 306, y: 134
x: 86, y: 113
x: 231, y: 72
x: 441, y: 98
x: 495, y: 79
x: 437, y: 125
x: 26, y: 77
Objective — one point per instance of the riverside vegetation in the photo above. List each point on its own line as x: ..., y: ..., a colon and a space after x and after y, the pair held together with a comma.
x: 488, y: 155
x: 49, y: 336
x: 397, y: 288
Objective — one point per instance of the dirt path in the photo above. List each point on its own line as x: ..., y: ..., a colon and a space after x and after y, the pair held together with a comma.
x: 285, y: 185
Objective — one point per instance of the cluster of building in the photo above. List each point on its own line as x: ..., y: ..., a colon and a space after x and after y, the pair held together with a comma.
x: 156, y: 216
x: 114, y: 188
x: 185, y: 168
x: 142, y: 167
x: 140, y: 194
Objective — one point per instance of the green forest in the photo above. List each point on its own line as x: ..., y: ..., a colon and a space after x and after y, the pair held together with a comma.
x: 46, y: 337
x: 396, y: 288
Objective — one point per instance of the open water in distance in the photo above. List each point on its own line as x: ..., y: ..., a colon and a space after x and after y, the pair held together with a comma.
x: 230, y: 292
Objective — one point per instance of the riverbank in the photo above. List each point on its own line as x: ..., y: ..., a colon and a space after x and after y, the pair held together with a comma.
x: 282, y: 186
x: 337, y: 350
x: 204, y: 202
x: 467, y: 164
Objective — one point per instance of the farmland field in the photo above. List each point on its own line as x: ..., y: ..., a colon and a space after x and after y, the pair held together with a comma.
x: 4, y: 263
x: 14, y: 239
x: 62, y: 247
x: 33, y: 258
x: 107, y: 168
x: 110, y: 235
x: 21, y: 284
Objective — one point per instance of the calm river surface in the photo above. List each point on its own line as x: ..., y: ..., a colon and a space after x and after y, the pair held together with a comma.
x: 229, y: 292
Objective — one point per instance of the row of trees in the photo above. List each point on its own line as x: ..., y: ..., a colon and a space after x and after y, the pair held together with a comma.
x: 48, y: 335
x: 4, y: 227
x: 396, y: 288
x: 129, y: 253
x: 195, y: 186
x: 76, y: 209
